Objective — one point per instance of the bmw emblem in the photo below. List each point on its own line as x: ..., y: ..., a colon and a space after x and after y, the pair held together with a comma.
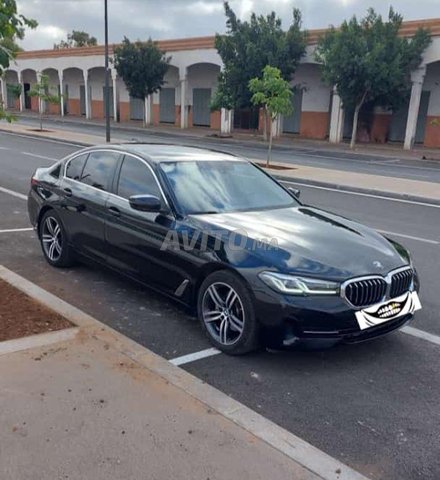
x: 377, y: 264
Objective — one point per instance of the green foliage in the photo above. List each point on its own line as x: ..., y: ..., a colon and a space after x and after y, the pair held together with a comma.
x: 248, y: 47
x: 272, y: 92
x: 5, y: 115
x: 41, y: 90
x: 77, y: 39
x: 14, y: 90
x: 142, y: 66
x: 12, y: 27
x: 369, y: 62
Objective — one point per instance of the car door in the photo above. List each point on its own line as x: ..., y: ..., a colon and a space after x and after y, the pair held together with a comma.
x: 85, y: 189
x: 134, y: 238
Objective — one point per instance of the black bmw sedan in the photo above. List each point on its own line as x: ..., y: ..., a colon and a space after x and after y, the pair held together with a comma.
x: 220, y: 235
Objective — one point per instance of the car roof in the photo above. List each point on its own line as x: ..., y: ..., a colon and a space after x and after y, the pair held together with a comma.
x: 162, y: 152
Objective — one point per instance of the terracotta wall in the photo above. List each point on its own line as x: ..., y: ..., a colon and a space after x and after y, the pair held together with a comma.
x: 432, y: 132
x: 314, y: 124
x: 97, y: 109
x: 156, y: 114
x: 216, y: 120
x: 74, y: 107
x: 17, y: 104
x: 54, y: 108
x: 380, y: 127
x: 34, y: 104
x: 124, y: 111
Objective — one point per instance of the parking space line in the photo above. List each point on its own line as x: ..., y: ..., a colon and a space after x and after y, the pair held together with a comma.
x: 14, y: 194
x: 14, y: 230
x: 420, y: 239
x: 415, y: 332
x: 192, y: 357
x: 43, y: 157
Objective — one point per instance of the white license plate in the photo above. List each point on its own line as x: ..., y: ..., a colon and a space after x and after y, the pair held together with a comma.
x: 407, y: 303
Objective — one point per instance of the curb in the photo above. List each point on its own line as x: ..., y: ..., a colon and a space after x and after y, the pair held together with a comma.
x: 35, y: 341
x: 301, y: 452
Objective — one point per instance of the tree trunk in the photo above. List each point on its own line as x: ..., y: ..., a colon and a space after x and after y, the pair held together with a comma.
x: 265, y: 124
x: 355, y: 120
x: 41, y: 121
x: 269, y: 152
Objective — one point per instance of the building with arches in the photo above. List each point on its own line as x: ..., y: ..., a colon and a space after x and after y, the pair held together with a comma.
x: 184, y: 101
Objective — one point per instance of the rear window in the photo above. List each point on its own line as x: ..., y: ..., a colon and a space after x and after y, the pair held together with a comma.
x: 75, y: 167
x: 99, y: 169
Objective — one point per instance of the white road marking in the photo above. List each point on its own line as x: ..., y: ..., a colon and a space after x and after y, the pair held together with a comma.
x: 14, y: 230
x: 39, y: 156
x: 350, y: 192
x: 43, y: 139
x: 14, y: 194
x: 411, y: 237
x: 3, y: 148
x: 192, y: 357
x: 415, y: 332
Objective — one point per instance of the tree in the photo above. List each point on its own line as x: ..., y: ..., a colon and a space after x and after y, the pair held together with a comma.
x: 248, y: 47
x: 274, y: 94
x: 142, y: 66
x: 369, y: 62
x: 12, y: 27
x: 41, y: 90
x: 77, y: 39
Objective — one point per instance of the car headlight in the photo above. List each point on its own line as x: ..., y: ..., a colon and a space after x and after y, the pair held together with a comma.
x: 293, y: 285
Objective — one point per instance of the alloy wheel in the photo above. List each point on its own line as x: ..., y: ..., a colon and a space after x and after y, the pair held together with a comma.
x: 223, y: 313
x: 52, y: 239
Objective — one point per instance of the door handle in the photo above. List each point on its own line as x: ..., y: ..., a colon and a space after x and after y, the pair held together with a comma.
x: 68, y: 192
x: 114, y: 211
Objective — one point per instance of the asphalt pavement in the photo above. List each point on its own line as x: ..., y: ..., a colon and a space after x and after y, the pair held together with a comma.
x: 394, y: 166
x: 373, y: 406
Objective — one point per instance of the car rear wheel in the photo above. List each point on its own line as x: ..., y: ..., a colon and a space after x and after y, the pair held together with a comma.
x: 53, y: 238
x: 226, y: 312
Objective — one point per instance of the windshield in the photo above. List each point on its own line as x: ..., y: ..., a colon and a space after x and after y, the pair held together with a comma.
x: 223, y: 186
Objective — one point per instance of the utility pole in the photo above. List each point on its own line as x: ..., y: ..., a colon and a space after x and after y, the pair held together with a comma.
x: 107, y: 77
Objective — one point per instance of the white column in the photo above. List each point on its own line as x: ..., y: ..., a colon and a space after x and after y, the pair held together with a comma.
x: 87, y: 94
x: 226, y: 122
x: 4, y: 93
x: 276, y: 127
x: 61, y: 80
x: 149, y: 110
x: 41, y: 102
x: 183, y: 100
x: 336, y: 119
x: 413, y: 111
x: 21, y: 98
x: 115, y: 96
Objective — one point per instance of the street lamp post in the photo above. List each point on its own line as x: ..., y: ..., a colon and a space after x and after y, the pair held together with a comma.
x: 107, y: 77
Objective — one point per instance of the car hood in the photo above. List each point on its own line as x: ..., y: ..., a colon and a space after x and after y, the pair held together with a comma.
x: 307, y: 240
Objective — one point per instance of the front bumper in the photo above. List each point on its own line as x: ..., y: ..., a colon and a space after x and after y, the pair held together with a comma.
x: 288, y: 320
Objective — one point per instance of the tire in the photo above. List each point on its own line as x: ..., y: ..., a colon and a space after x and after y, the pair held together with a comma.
x: 226, y: 312
x: 53, y: 239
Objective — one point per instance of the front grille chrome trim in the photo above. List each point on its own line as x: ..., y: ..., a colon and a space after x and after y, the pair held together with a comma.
x: 371, y: 295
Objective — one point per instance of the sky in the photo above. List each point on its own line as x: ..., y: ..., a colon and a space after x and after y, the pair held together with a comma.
x: 167, y: 19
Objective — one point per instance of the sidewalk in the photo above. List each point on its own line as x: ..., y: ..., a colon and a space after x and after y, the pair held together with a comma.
x: 398, y: 187
x: 99, y: 406
x: 252, y: 138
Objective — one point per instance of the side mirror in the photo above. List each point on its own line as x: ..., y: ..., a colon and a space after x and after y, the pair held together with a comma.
x: 145, y: 203
x: 295, y: 192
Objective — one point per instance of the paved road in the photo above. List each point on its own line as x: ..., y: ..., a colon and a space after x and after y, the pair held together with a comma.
x: 374, y: 406
x: 394, y: 167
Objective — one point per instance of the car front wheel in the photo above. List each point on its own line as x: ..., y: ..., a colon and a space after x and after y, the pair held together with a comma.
x: 226, y: 312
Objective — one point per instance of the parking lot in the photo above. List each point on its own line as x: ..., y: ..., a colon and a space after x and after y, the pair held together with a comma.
x: 373, y: 406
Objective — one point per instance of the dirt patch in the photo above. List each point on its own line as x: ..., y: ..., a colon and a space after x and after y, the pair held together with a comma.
x: 39, y: 131
x: 275, y: 167
x: 20, y: 316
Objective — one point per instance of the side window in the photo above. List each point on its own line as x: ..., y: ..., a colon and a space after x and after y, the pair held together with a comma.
x: 136, y: 179
x: 75, y: 167
x: 99, y: 169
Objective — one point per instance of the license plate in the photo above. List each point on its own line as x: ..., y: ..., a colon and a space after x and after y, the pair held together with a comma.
x: 407, y: 303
